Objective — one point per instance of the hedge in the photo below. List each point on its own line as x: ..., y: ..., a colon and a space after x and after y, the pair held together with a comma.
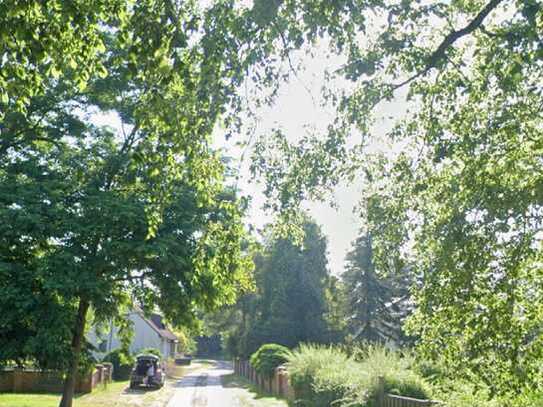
x: 268, y: 357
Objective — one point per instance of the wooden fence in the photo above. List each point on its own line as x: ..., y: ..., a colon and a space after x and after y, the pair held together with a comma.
x: 391, y: 400
x: 37, y: 381
x: 279, y: 385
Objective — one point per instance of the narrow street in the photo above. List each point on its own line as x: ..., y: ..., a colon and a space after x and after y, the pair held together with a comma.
x: 217, y: 387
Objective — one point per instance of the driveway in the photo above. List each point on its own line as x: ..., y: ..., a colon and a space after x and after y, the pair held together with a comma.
x: 216, y: 386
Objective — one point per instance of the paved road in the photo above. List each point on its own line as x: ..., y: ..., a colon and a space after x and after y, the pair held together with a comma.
x: 205, y: 389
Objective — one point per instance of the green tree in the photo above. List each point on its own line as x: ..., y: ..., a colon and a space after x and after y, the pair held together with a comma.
x: 290, y: 302
x: 377, y: 305
x: 44, y: 40
x: 462, y: 201
x: 169, y: 70
x: 95, y: 217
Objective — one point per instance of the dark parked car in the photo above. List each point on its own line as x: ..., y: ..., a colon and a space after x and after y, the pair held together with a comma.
x: 148, y: 371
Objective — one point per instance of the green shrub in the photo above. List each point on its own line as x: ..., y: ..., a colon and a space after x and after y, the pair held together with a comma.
x: 122, y: 364
x: 320, y: 375
x: 323, y: 376
x: 529, y: 398
x: 268, y: 357
x: 459, y: 389
x: 150, y: 351
x: 462, y: 393
x: 398, y: 371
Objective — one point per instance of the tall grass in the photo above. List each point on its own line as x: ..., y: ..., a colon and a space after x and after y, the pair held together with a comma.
x: 326, y: 376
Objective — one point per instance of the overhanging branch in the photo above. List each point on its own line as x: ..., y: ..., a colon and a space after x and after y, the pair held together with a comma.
x: 436, y: 56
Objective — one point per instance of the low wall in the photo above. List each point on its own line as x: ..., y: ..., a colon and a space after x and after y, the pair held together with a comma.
x: 6, y: 381
x: 277, y: 385
x: 41, y: 381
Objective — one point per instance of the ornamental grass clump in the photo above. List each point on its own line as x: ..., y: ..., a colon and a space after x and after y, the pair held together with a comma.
x: 397, y: 369
x: 326, y: 376
x: 320, y: 375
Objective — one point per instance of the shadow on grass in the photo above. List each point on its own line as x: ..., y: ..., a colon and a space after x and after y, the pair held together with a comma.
x: 234, y: 381
x: 140, y: 389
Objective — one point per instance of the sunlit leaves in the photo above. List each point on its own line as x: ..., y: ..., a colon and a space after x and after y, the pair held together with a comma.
x: 463, y: 203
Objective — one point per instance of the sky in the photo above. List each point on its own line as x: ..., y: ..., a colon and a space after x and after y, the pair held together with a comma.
x: 293, y: 110
x: 298, y: 106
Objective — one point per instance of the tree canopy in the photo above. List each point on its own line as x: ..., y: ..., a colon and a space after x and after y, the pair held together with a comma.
x: 95, y: 217
x: 290, y: 304
x: 458, y: 197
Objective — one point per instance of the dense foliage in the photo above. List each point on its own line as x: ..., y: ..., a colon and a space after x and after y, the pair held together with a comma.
x: 458, y: 196
x: 122, y: 363
x: 324, y: 376
x: 90, y: 216
x: 376, y: 303
x: 209, y: 345
x: 93, y: 216
x: 268, y: 357
x: 291, y: 302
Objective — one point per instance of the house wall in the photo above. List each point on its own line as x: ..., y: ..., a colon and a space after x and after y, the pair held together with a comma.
x: 144, y: 337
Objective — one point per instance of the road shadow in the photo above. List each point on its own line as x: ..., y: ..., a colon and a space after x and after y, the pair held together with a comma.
x: 140, y: 390
x: 192, y: 380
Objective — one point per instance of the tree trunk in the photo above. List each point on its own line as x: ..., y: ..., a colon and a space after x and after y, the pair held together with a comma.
x: 77, y: 343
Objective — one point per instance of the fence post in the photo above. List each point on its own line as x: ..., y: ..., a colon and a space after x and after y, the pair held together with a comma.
x: 381, y: 391
x: 101, y: 375
x: 18, y: 379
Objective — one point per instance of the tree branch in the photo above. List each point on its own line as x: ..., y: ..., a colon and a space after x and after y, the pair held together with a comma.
x: 449, y: 40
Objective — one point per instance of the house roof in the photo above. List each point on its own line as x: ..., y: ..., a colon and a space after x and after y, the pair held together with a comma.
x: 157, y: 323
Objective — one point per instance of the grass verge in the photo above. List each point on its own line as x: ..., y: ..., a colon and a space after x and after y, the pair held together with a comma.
x: 117, y: 394
x: 248, y: 395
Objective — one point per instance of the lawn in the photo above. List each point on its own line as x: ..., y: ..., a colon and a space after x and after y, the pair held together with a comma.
x: 115, y: 395
x: 28, y: 400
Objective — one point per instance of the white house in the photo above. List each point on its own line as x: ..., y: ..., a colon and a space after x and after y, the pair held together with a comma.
x: 149, y: 332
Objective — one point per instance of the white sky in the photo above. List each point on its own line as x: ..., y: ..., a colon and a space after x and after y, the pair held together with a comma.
x: 293, y: 110
x: 298, y: 106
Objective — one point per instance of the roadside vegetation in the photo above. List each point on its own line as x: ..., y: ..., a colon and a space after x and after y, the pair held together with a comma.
x: 331, y: 375
x: 248, y: 395
x: 325, y: 375
x: 433, y: 112
x: 268, y: 357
